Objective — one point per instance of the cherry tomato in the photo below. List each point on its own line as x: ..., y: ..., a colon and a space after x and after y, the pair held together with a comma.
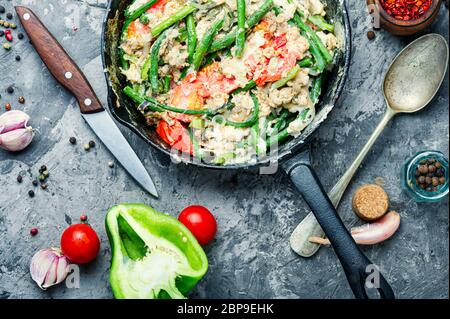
x: 175, y: 135
x: 200, y: 222
x: 80, y: 243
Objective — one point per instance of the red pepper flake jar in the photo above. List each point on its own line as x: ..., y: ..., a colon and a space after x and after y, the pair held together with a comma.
x: 404, y: 17
x: 406, y: 9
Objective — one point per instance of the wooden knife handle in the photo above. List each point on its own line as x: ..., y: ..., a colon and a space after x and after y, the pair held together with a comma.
x: 59, y: 63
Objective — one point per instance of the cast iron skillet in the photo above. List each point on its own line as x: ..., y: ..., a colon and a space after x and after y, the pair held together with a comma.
x: 295, y: 163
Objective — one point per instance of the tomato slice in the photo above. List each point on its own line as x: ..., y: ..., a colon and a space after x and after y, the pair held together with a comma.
x: 136, y: 28
x: 158, y: 6
x: 176, y: 136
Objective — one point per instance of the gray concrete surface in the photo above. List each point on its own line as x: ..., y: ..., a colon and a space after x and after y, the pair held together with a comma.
x: 250, y: 257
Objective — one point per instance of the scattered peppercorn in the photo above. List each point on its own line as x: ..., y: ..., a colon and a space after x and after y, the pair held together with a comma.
x: 83, y: 218
x: 43, y: 168
x: 371, y: 35
x: 17, y: 58
x: 20, y: 36
x: 19, y: 178
x: 13, y: 25
x: 442, y: 180
x: 72, y: 140
x: 41, y: 178
x: 31, y: 193
x: 21, y: 100
x: 2, y: 9
x: 6, y: 46
x: 34, y: 182
x: 9, y: 15
x: 91, y: 144
x: 111, y: 164
x: 2, y: 33
x: 34, y: 231
x: 7, y: 106
x: 6, y: 25
x: 44, y: 186
x: 86, y: 147
x: 10, y: 89
x: 46, y: 174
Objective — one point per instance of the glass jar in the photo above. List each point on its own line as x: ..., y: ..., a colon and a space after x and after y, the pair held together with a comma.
x: 409, y: 182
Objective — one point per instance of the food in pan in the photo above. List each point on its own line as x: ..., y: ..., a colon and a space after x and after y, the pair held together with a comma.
x: 225, y: 80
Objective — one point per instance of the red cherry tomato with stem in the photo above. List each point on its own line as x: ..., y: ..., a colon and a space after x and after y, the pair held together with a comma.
x: 200, y: 222
x: 80, y: 243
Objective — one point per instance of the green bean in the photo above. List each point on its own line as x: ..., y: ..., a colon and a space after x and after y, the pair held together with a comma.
x: 276, y: 10
x: 156, y: 106
x: 321, y: 63
x: 252, y: 20
x: 166, y: 86
x: 205, y: 43
x: 253, y: 118
x: 139, y: 99
x: 133, y: 15
x: 154, y: 58
x: 250, y: 85
x: 320, y: 22
x: 282, y: 82
x: 278, y: 138
x: 281, y: 120
x: 145, y: 69
x: 176, y: 17
x: 197, y: 149
x: 240, y: 35
x: 191, y: 37
x: 313, y: 38
x: 316, y: 88
x: 305, y: 63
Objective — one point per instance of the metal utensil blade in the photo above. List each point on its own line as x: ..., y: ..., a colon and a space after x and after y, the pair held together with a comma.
x: 108, y: 132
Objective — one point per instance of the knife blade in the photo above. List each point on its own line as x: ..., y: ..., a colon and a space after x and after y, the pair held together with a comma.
x: 69, y: 75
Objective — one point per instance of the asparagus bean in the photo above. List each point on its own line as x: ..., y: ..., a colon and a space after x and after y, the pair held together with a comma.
x: 133, y: 15
x: 205, y: 43
x: 176, y: 17
x: 154, y: 59
x: 253, y: 118
x: 252, y: 20
x: 192, y: 37
x: 320, y: 22
x: 240, y: 36
x: 282, y: 82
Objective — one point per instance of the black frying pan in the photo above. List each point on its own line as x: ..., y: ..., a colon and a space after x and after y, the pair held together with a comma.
x: 294, y: 157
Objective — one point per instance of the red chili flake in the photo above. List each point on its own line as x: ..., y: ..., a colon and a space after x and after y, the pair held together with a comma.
x: 405, y: 9
x: 34, y: 231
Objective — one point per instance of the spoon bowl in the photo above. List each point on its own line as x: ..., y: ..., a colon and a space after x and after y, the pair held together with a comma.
x: 416, y: 74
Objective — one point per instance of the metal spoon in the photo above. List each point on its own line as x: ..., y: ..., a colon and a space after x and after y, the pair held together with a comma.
x: 411, y: 82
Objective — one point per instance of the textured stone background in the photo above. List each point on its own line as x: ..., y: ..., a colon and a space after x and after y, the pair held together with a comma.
x: 250, y: 257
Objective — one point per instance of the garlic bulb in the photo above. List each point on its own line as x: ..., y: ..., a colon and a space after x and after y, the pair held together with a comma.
x: 15, y: 135
x: 49, y: 267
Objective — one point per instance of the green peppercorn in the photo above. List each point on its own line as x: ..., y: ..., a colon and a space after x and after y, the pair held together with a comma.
x: 6, y: 46
x: 46, y: 173
x: 41, y: 178
x: 13, y: 25
x: 435, y: 181
x: 86, y: 147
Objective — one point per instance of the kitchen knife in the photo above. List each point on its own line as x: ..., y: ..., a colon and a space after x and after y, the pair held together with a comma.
x: 69, y: 75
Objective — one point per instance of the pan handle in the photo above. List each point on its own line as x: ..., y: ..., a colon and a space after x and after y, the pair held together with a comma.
x: 357, y: 266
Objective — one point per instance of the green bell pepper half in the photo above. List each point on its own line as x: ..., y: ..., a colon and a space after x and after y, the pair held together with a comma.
x: 154, y: 256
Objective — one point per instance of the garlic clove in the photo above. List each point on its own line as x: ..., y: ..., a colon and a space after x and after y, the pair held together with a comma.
x: 48, y: 267
x: 16, y: 140
x: 13, y: 120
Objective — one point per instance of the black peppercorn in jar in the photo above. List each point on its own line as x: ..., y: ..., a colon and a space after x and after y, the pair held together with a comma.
x: 425, y: 176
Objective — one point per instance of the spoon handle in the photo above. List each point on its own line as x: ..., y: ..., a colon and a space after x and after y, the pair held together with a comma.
x: 309, y: 226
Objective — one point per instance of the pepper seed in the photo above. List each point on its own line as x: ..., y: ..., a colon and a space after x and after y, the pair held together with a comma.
x: 20, y: 36
x: 34, y: 182
x: 72, y: 140
x: 18, y: 58
x: 21, y: 98
x: 19, y: 178
x: 31, y: 193
x: 91, y: 144
x: 34, y: 231
x: 10, y: 89
x: 9, y: 15
x: 44, y: 186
